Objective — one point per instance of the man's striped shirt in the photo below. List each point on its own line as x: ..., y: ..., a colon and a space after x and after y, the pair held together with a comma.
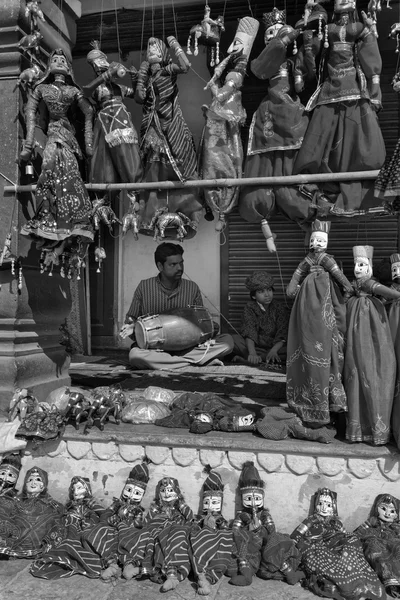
x: 150, y: 298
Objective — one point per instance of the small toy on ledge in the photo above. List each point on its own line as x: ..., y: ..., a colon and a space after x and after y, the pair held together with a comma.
x: 163, y: 219
x: 208, y: 34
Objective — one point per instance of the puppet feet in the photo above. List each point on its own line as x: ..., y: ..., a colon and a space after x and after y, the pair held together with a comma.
x: 130, y: 571
x: 393, y: 590
x: 245, y: 577
x: 112, y: 572
x: 170, y: 583
x: 203, y: 585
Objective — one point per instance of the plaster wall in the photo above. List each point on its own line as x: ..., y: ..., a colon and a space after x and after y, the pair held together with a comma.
x: 135, y: 259
x: 290, y: 477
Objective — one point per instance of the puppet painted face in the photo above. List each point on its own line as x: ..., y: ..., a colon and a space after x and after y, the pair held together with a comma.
x: 79, y: 490
x: 168, y: 493
x: 245, y: 421
x: 132, y: 493
x: 271, y: 32
x: 204, y: 417
x: 344, y: 6
x: 362, y: 267
x: 8, y: 477
x: 154, y: 51
x: 325, y: 506
x: 100, y: 64
x: 34, y: 483
x: 253, y: 499
x: 395, y: 270
x: 212, y: 503
x: 318, y: 241
x: 59, y: 64
x: 387, y: 512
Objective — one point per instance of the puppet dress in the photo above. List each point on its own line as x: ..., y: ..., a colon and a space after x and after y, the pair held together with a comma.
x: 381, y: 545
x: 276, y: 133
x: 333, y: 561
x: 65, y: 555
x: 137, y: 547
x: 344, y: 133
x: 211, y: 544
x: 394, y: 324
x: 63, y: 204
x: 116, y: 156
x: 370, y: 365
x: 316, y: 334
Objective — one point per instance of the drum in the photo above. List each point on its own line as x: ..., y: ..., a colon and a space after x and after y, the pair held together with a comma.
x: 175, y: 330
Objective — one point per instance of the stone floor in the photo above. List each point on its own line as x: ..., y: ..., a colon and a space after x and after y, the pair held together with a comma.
x: 18, y: 584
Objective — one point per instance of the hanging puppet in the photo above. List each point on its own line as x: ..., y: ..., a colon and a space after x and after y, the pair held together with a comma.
x: 125, y: 511
x: 116, y: 157
x: 167, y: 145
x: 394, y: 324
x: 211, y: 540
x: 380, y: 537
x: 276, y: 133
x: 387, y: 184
x: 221, y: 150
x: 137, y: 549
x: 369, y: 377
x: 317, y: 328
x: 65, y: 555
x: 332, y: 558
x: 63, y: 215
x: 344, y: 134
x: 32, y: 515
x: 208, y: 34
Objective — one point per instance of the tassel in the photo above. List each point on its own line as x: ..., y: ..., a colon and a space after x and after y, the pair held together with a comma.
x: 212, y: 61
x: 196, y: 47
x: 326, y: 42
x: 217, y: 53
x: 19, y: 276
x: 294, y: 47
x: 320, y: 34
x: 269, y: 236
x: 188, y: 49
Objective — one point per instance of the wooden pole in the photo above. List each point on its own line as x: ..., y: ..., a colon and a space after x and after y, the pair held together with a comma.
x: 221, y: 183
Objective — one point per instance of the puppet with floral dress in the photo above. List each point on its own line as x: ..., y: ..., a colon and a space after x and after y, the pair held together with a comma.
x: 125, y: 512
x: 344, y: 133
x: 221, y: 150
x: 380, y: 537
x: 317, y: 328
x: 369, y: 377
x: 333, y: 559
x: 63, y: 212
x: 65, y: 555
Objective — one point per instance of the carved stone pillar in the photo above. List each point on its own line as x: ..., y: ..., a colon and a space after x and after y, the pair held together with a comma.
x: 30, y: 353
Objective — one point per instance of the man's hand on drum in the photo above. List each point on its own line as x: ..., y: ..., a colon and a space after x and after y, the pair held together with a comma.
x: 127, y: 330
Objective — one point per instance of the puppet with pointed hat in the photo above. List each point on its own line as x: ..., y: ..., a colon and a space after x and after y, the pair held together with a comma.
x: 125, y: 512
x: 317, y: 328
x: 369, y: 377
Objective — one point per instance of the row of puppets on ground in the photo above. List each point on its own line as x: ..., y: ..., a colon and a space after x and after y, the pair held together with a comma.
x: 337, y: 60
x: 168, y: 542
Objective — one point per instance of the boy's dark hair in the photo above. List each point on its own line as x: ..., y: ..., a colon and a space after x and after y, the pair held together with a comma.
x: 166, y: 249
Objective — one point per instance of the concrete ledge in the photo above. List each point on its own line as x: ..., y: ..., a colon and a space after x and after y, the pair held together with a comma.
x: 292, y: 470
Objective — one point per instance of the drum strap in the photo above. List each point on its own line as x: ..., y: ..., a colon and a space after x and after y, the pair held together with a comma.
x: 206, y: 345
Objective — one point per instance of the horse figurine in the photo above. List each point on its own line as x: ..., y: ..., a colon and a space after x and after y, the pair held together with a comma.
x: 208, y: 33
x: 163, y: 219
x: 130, y: 220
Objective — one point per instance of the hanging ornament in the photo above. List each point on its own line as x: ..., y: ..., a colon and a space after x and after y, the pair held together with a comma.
x: 102, y: 212
x: 208, y: 34
x: 19, y: 276
x: 99, y: 256
x: 269, y: 236
x: 163, y: 219
x: 130, y: 220
x: 29, y: 170
x: 395, y: 35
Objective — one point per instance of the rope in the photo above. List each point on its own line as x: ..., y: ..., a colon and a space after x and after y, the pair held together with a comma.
x: 116, y: 26
x: 173, y: 12
x: 281, y: 277
x: 142, y: 36
x: 101, y: 21
x: 152, y: 18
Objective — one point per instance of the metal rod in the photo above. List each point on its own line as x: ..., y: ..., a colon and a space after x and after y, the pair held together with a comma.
x: 215, y: 183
